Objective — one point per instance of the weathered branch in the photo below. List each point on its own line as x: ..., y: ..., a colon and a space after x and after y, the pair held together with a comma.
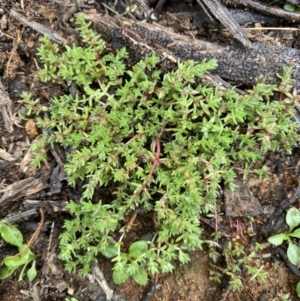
x: 223, y: 15
x: 268, y: 10
x: 234, y: 63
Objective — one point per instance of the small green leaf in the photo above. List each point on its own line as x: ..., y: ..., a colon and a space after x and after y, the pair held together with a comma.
x: 119, y: 277
x: 110, y: 251
x: 277, y: 239
x: 20, y: 278
x: 138, y: 248
x: 296, y: 233
x: 298, y: 289
x: 140, y: 276
x: 11, y: 234
x: 293, y: 253
x: 289, y: 7
x: 32, y: 272
x: 5, y: 271
x: 26, y: 257
x: 293, y: 218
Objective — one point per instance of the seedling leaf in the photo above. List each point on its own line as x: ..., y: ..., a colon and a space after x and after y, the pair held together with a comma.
x: 293, y: 218
x: 289, y: 7
x: 141, y: 276
x: 119, y: 277
x: 138, y: 248
x: 111, y: 251
x: 298, y: 289
x: 293, y: 253
x: 18, y: 261
x: 5, y: 271
x: 11, y: 234
x: 277, y: 239
x: 32, y: 272
x: 296, y: 233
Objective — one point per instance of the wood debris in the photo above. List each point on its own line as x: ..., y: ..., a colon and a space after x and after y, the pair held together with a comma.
x: 6, y: 109
x: 21, y: 188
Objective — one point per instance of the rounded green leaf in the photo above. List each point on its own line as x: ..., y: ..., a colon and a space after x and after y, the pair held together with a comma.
x: 119, y: 277
x: 296, y: 233
x: 17, y: 261
x: 277, y: 239
x: 110, y: 251
x: 289, y: 7
x: 140, y: 276
x: 298, y: 289
x: 32, y: 272
x: 138, y: 248
x: 5, y: 271
x: 293, y: 218
x: 293, y: 254
x: 11, y: 234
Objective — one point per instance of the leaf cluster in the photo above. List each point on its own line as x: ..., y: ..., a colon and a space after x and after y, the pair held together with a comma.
x: 293, y: 250
x: 160, y: 142
x: 13, y: 236
x: 293, y: 221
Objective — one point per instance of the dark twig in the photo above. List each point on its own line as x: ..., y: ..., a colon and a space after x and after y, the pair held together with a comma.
x: 151, y: 290
x: 281, y: 208
x: 16, y: 217
x: 110, y: 295
x: 223, y: 15
x: 284, y: 257
x: 38, y: 27
x: 159, y: 6
x: 269, y: 10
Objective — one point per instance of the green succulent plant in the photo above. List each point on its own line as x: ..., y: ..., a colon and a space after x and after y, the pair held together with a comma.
x: 159, y: 143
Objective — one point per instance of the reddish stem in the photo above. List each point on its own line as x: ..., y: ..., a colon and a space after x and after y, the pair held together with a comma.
x: 280, y: 96
x: 155, y: 161
x: 134, y: 137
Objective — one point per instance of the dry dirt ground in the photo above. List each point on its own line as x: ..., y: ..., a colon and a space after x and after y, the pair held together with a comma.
x: 18, y: 68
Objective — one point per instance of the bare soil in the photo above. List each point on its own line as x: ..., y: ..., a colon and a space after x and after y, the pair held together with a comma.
x: 18, y: 70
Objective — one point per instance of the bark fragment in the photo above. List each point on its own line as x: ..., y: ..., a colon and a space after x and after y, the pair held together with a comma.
x: 235, y: 63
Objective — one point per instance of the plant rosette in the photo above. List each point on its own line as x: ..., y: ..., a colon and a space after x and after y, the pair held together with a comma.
x: 293, y: 251
x: 13, y: 236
